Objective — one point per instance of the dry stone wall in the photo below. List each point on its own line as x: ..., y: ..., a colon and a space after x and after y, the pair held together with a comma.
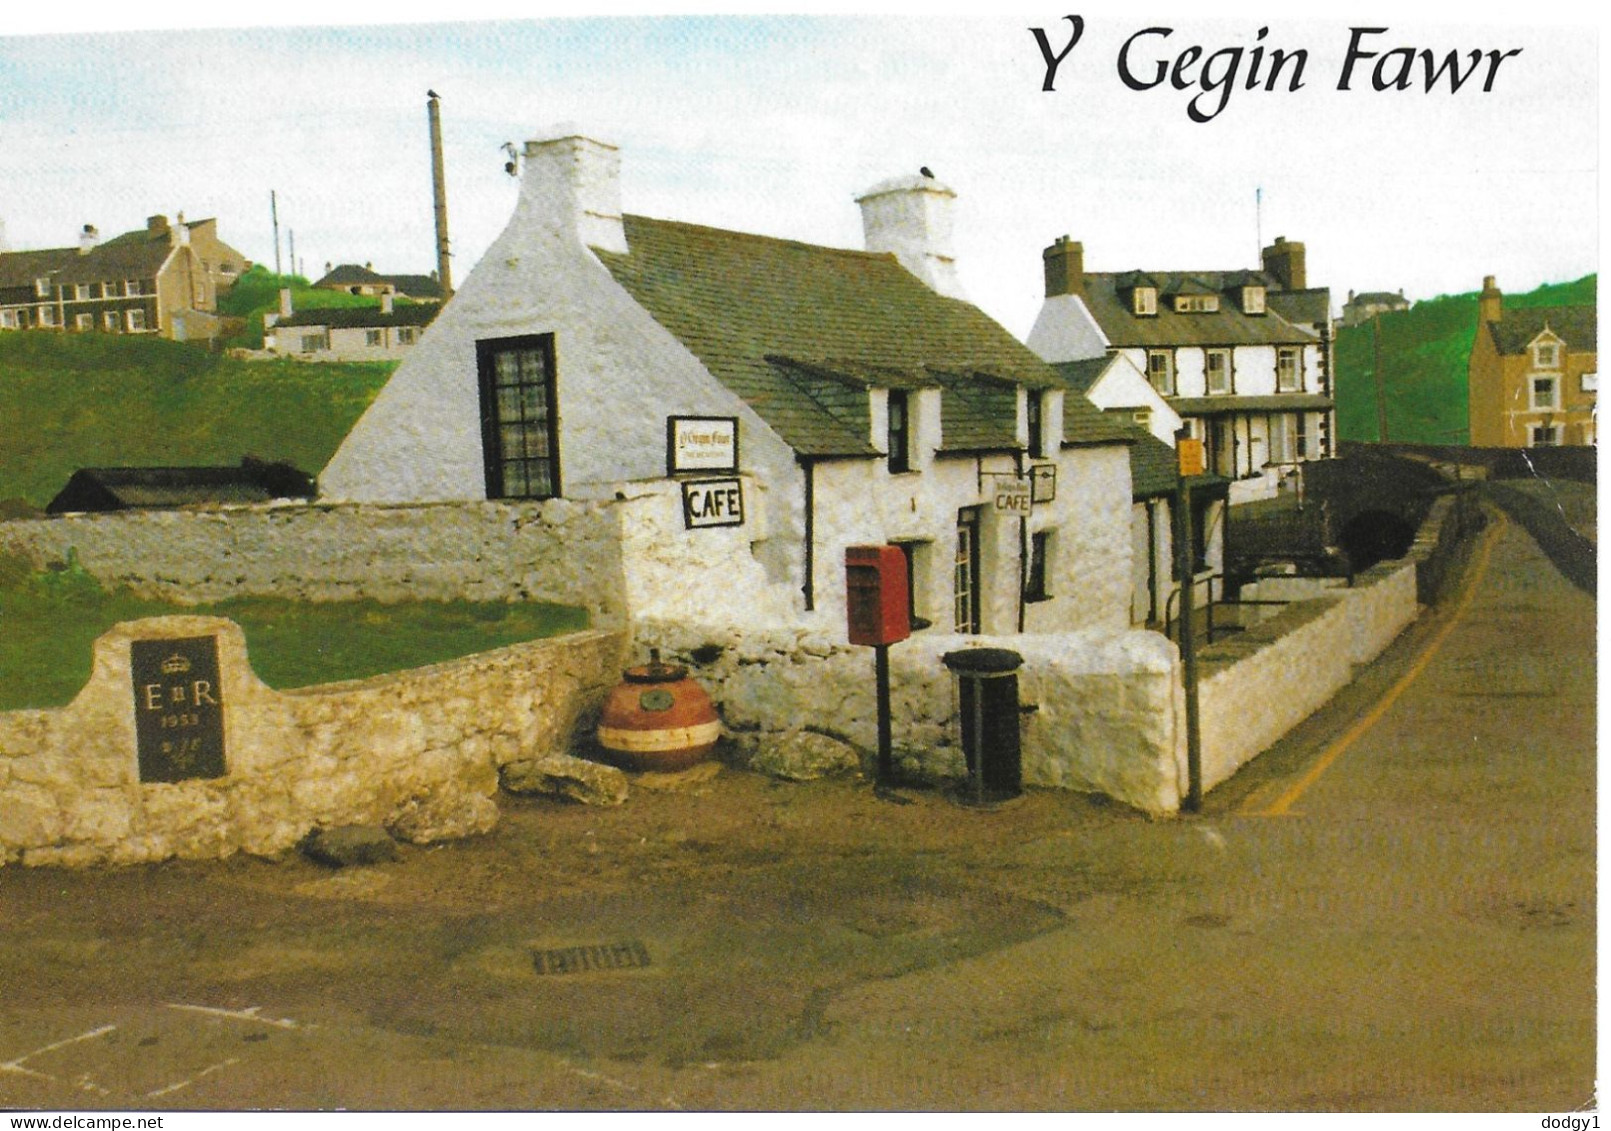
x: 416, y: 751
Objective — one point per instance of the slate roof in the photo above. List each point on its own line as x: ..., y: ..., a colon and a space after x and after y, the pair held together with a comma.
x: 123, y: 488
x: 363, y: 317
x: 1083, y: 374
x: 1154, y: 470
x: 1575, y: 325
x: 129, y: 256
x: 416, y: 286
x: 349, y: 274
x: 800, y: 332
x: 1377, y: 298
x: 1107, y: 297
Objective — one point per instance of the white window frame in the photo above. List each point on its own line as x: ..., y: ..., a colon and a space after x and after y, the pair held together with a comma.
x: 111, y: 289
x: 1144, y: 301
x: 1253, y: 300
x: 1289, y: 377
x: 47, y: 316
x: 1554, y: 431
x: 131, y: 287
x: 1196, y: 304
x: 1166, y: 387
x: 1547, y: 354
x: 1553, y: 402
x: 8, y: 319
x: 42, y: 287
x: 134, y: 319
x: 109, y: 321
x: 83, y: 323
x: 1282, y: 443
x: 1224, y: 384
x: 81, y: 292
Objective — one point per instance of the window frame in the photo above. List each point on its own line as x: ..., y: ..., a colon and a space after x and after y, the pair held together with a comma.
x: 1294, y: 383
x: 1253, y: 300
x: 1038, y: 567
x: 494, y: 460
x: 1555, y: 435
x: 1549, y: 360
x: 1035, y: 420
x: 1144, y: 302
x: 1168, y: 386
x: 1208, y: 385
x: 898, y: 430
x: 1534, y: 404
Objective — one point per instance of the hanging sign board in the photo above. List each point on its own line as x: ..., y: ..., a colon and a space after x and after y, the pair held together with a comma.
x: 1191, y: 457
x: 701, y: 443
x: 712, y: 502
x: 1013, y: 496
x: 1043, y: 483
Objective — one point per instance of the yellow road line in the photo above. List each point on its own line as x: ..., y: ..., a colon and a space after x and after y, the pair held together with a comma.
x: 1369, y: 719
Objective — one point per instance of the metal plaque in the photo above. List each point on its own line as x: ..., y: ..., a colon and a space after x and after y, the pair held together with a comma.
x: 178, y: 708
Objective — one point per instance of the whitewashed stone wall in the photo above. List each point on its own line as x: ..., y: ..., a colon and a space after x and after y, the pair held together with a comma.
x: 1259, y: 684
x: 1106, y: 705
x: 416, y: 751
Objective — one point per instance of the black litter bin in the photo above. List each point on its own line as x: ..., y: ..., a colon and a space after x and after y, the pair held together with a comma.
x: 988, y: 678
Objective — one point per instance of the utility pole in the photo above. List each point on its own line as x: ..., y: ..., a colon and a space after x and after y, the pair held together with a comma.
x: 290, y: 235
x: 444, y: 272
x: 1189, y: 459
x: 274, y: 214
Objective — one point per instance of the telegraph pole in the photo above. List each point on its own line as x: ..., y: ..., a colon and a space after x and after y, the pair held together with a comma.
x: 274, y: 214
x: 444, y: 272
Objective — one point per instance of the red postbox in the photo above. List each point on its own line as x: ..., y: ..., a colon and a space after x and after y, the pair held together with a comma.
x: 876, y: 602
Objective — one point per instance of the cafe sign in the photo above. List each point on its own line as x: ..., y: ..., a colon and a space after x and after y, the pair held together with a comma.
x: 712, y: 502
x: 701, y: 443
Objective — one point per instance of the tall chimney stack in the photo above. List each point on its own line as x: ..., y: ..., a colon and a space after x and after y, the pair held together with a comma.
x: 910, y: 218
x: 444, y: 273
x: 87, y: 239
x: 1491, y: 302
x: 1286, y: 260
x: 1064, y: 263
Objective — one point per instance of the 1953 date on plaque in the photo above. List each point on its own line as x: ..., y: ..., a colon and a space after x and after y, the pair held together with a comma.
x: 178, y: 708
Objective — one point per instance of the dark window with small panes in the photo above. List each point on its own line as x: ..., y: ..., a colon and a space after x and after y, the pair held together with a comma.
x: 900, y: 431
x: 1037, y: 430
x: 519, y: 416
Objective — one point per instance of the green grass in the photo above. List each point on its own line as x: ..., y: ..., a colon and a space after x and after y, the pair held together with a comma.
x: 49, y: 620
x: 97, y: 400
x: 1423, y: 354
x: 258, y: 291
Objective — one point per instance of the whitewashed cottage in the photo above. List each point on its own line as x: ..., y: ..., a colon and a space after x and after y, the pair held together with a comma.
x: 852, y: 397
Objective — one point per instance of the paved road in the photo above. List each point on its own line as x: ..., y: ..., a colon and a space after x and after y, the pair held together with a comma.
x: 1415, y: 930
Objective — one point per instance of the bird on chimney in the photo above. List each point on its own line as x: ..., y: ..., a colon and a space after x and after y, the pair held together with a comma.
x: 432, y: 94
x: 927, y: 172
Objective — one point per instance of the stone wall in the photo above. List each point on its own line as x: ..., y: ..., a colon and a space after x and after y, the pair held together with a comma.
x: 415, y: 751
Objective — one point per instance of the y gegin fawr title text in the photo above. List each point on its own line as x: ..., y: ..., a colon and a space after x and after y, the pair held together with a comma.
x: 1151, y: 59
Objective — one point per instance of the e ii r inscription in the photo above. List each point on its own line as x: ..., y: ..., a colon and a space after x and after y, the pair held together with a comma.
x: 178, y: 708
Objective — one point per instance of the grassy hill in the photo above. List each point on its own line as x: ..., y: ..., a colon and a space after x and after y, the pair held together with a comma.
x: 1423, y: 353
x: 96, y: 400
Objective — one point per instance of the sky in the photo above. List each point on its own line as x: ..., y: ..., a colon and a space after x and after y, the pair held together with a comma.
x: 774, y: 124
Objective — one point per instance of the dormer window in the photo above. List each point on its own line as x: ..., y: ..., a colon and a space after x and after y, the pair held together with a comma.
x: 1547, y: 355
x: 1252, y: 300
x: 1144, y: 300
x: 42, y: 288
x: 1196, y: 304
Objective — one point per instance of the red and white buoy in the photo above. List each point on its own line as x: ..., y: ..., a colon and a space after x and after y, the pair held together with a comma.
x: 658, y: 719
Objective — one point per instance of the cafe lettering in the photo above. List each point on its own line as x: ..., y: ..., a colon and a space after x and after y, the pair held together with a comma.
x: 713, y: 502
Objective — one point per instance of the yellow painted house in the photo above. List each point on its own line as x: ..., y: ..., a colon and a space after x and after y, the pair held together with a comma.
x: 1532, y: 376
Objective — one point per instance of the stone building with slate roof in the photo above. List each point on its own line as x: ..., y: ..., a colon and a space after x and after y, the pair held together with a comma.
x: 854, y: 398
x: 353, y: 279
x: 1363, y: 307
x: 366, y: 333
x: 153, y: 280
x: 1244, y: 357
x: 1533, y: 374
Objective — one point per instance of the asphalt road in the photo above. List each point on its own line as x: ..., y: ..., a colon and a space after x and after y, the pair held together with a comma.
x: 1394, y: 909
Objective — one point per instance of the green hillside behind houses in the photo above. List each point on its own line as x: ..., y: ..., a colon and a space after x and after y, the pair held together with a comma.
x: 1423, y: 353
x: 96, y: 400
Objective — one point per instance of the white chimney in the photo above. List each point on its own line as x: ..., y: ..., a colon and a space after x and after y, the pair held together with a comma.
x: 911, y: 218
x: 385, y: 302
x: 285, y: 302
x: 88, y: 239
x: 572, y: 185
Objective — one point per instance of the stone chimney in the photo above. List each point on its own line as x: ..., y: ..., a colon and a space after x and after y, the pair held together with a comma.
x: 1284, y: 259
x: 1064, y: 263
x: 156, y: 227
x: 88, y: 239
x: 572, y: 186
x: 285, y: 302
x: 385, y: 302
x: 910, y: 217
x: 1490, y: 303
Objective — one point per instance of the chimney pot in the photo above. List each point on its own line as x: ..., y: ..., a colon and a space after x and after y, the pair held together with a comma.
x: 285, y: 302
x: 386, y: 302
